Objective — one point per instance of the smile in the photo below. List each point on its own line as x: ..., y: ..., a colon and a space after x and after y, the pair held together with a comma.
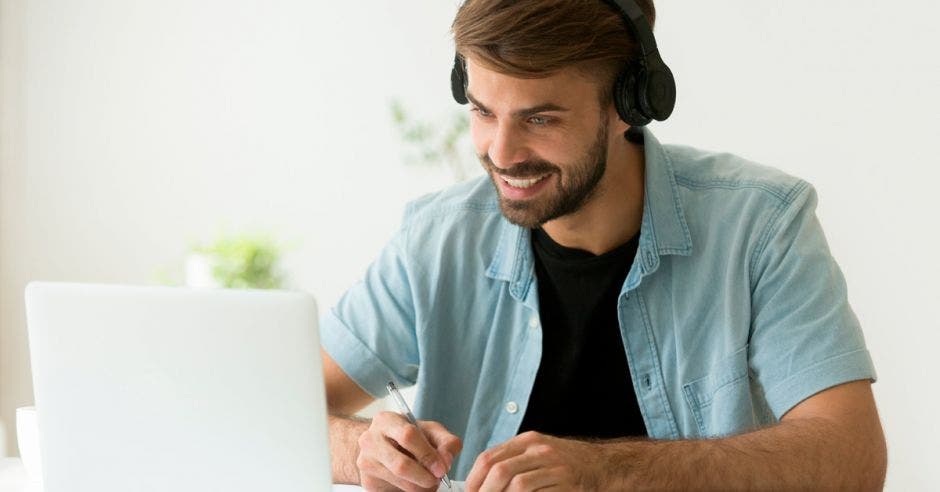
x: 523, y: 183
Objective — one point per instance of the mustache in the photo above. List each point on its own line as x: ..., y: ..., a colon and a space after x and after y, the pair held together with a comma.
x: 521, y: 170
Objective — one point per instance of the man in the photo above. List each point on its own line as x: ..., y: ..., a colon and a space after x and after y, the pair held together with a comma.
x: 602, y: 311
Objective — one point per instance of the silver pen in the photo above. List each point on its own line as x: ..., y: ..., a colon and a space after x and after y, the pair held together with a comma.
x: 406, y: 412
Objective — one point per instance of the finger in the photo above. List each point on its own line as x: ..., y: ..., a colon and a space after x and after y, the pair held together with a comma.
x: 488, y: 458
x: 537, y: 479
x: 382, y: 457
x: 412, y: 441
x: 374, y: 476
x: 375, y: 484
x: 398, y: 483
x: 447, y: 444
x: 402, y: 465
x: 502, y: 473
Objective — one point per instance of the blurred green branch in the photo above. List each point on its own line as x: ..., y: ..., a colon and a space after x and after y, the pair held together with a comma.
x: 433, y: 144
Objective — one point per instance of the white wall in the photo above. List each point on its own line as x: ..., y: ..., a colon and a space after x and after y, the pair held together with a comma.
x: 844, y: 94
x: 131, y: 127
x: 140, y: 126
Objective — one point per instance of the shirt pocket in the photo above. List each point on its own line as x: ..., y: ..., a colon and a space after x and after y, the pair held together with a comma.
x: 721, y: 401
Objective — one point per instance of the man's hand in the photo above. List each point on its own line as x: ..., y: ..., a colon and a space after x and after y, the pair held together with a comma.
x: 532, y: 461
x: 393, y: 454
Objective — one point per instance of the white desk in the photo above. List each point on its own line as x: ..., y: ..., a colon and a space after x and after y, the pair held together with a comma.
x: 13, y: 479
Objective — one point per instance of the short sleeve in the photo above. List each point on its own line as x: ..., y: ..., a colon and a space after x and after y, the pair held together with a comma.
x: 804, y: 336
x: 370, y: 333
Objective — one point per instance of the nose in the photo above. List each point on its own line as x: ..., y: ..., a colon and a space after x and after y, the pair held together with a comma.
x: 507, y: 147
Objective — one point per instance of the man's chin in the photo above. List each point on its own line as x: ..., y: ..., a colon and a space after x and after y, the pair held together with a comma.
x: 529, y: 213
x: 520, y: 213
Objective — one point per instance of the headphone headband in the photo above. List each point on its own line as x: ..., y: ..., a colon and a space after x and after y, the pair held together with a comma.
x: 637, y: 24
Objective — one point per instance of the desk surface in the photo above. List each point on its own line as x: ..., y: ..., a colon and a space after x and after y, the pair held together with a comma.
x: 13, y: 478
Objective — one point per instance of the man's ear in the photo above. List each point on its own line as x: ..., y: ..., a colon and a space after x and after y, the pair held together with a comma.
x: 614, y: 123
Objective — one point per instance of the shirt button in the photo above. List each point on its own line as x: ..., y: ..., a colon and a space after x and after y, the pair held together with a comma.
x: 511, y: 407
x: 534, y: 322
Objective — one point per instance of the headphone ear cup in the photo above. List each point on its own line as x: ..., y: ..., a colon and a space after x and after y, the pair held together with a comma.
x: 659, y: 94
x: 626, y: 96
x: 458, y: 81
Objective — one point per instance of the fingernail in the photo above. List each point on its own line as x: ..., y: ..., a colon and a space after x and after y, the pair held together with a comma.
x: 438, y: 469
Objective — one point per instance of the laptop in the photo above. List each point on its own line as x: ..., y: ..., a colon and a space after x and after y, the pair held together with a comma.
x: 175, y: 389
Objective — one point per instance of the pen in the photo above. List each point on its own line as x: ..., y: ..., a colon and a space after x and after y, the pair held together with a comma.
x: 404, y: 410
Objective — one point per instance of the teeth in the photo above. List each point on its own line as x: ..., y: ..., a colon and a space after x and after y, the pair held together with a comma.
x: 523, y: 183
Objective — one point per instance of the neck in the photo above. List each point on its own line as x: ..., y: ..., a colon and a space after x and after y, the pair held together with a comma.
x: 612, y: 215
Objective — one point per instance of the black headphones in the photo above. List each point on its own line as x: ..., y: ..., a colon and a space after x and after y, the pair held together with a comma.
x: 644, y: 91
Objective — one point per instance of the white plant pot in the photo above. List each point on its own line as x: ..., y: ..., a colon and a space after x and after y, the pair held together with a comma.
x: 199, y: 271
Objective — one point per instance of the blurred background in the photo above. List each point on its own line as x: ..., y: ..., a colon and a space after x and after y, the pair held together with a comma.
x: 134, y: 133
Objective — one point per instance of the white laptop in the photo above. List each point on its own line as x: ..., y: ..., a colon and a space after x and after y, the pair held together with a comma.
x: 173, y: 389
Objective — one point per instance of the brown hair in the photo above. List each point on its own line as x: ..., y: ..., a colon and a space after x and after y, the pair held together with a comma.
x: 534, y: 38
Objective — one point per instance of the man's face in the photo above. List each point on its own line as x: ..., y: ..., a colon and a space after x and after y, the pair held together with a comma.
x: 543, y: 141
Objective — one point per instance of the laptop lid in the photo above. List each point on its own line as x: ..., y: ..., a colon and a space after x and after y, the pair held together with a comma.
x: 174, y: 389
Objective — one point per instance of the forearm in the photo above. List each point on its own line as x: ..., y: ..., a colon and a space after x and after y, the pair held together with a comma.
x: 806, y: 454
x: 344, y: 447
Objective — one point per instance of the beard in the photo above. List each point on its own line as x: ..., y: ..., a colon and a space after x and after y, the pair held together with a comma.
x: 573, y: 188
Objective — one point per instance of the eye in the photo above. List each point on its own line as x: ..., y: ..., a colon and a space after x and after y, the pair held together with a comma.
x: 539, y: 120
x: 482, y: 112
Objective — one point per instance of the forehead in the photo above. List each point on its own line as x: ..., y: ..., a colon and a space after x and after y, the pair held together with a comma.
x: 568, y: 87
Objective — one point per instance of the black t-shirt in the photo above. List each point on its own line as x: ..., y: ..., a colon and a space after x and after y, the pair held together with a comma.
x: 583, y: 386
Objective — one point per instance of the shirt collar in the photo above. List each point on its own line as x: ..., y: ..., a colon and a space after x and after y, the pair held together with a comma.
x: 663, y: 230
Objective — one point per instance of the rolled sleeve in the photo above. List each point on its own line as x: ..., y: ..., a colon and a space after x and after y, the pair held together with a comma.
x: 851, y: 366
x: 370, y: 333
x: 804, y: 336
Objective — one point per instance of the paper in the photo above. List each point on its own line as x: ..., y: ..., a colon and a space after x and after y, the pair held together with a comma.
x: 455, y: 487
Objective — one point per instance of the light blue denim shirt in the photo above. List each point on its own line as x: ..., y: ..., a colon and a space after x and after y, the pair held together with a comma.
x: 733, y: 311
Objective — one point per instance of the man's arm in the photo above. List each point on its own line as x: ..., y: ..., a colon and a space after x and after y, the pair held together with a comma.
x: 831, y: 441
x: 344, y: 397
x: 387, y: 452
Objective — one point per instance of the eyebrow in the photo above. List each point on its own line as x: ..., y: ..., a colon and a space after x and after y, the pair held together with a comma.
x: 521, y: 113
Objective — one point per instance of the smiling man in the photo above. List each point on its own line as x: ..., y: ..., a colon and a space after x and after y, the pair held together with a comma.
x: 601, y: 311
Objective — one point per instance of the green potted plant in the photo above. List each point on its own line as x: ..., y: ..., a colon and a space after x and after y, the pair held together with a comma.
x: 236, y: 262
